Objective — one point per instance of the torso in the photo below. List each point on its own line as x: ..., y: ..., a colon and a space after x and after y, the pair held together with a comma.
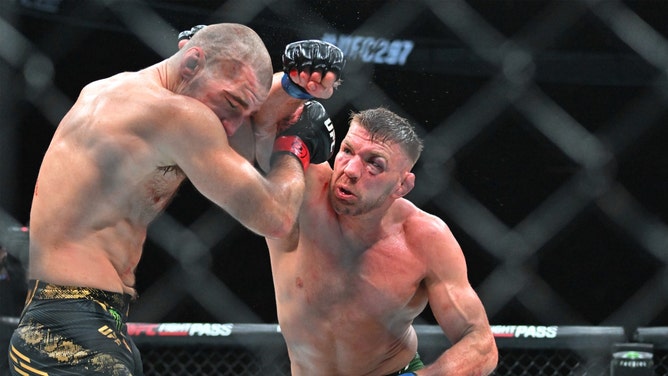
x: 344, y: 310
x: 100, y: 184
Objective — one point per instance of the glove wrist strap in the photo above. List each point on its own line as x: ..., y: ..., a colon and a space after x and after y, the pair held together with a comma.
x: 293, y: 89
x: 295, y: 146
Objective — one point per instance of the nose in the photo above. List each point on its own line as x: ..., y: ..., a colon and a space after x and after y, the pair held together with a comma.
x: 232, y: 124
x: 353, y: 168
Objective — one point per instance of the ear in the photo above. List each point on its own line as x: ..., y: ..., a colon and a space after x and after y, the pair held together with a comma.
x: 406, y: 185
x: 193, y: 59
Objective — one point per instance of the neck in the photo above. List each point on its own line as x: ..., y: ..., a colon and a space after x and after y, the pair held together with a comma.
x: 163, y: 76
x: 166, y: 76
x: 362, y: 231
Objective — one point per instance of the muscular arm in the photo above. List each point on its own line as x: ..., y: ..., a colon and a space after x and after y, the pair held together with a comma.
x: 254, y: 140
x: 457, y: 308
x: 194, y: 139
x: 279, y: 107
x: 282, y: 108
x: 243, y: 141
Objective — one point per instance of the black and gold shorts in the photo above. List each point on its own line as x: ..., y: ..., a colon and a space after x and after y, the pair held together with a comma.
x: 73, y: 331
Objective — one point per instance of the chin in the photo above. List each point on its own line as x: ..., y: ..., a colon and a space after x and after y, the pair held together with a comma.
x: 346, y: 210
x: 340, y: 209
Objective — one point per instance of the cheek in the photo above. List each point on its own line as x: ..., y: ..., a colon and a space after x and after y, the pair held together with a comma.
x: 338, y: 161
x: 197, y: 91
x: 196, y: 85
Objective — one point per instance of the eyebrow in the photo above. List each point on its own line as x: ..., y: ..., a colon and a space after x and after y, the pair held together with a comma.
x: 238, y: 99
x: 370, y: 155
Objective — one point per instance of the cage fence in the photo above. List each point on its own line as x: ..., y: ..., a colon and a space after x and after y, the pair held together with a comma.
x: 544, y: 124
x: 181, y: 349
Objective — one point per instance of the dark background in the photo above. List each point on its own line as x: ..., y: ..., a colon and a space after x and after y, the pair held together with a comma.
x: 544, y: 124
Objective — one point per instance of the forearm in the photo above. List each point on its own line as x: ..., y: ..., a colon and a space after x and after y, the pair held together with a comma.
x: 243, y: 142
x: 263, y: 150
x: 475, y: 354
x: 270, y: 207
x: 279, y: 107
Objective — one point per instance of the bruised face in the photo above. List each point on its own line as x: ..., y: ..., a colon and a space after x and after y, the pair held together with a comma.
x: 367, y: 174
x: 231, y: 90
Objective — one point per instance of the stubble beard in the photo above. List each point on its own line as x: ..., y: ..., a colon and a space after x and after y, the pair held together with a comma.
x: 359, y: 207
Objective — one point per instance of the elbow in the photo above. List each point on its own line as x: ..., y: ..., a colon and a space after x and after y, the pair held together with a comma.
x: 282, y: 226
x: 278, y: 232
x: 492, y: 357
x: 487, y: 354
x: 285, y: 214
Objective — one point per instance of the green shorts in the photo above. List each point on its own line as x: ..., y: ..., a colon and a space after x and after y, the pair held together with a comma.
x: 68, y: 330
x: 414, y: 365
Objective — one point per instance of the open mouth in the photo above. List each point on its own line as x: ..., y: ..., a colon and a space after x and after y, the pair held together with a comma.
x: 343, y: 193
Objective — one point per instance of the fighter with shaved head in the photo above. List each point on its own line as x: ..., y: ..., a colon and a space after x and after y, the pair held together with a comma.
x: 116, y: 160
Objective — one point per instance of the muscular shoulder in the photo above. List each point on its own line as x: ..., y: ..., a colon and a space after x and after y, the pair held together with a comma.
x: 137, y: 94
x: 131, y: 113
x: 429, y: 234
x: 318, y: 174
x: 147, y: 108
x: 420, y: 222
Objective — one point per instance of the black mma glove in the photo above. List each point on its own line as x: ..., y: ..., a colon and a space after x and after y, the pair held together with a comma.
x: 310, y: 55
x: 187, y: 34
x: 311, y: 139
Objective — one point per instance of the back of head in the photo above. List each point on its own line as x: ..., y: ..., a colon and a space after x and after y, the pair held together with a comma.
x: 386, y: 126
x: 237, y: 43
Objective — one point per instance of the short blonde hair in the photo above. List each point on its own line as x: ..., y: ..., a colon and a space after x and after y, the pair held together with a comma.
x: 386, y: 126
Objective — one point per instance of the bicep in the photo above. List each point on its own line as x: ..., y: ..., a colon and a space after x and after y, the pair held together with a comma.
x: 456, y: 307
x: 453, y: 301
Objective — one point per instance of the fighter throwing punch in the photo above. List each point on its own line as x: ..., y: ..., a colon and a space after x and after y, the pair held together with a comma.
x: 115, y: 161
x: 363, y: 262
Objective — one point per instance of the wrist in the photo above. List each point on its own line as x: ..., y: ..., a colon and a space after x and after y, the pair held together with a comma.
x: 295, y: 146
x: 293, y: 89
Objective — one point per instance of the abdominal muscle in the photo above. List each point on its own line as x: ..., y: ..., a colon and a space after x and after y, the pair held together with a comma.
x: 67, y: 255
x: 347, y: 348
x: 337, y: 323
x: 87, y: 235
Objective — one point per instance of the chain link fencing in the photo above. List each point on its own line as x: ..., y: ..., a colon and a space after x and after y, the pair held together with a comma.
x: 544, y: 124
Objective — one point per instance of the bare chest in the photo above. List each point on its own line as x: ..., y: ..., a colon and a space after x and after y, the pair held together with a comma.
x: 383, y: 279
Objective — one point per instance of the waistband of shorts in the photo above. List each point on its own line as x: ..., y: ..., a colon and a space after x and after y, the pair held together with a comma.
x: 40, y: 290
x: 414, y: 365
